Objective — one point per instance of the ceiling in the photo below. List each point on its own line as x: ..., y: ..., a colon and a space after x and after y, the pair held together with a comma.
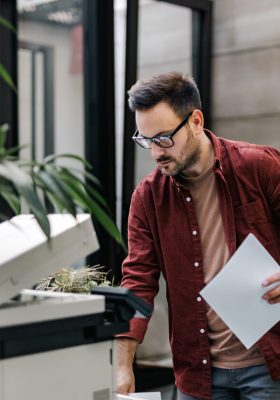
x: 55, y: 12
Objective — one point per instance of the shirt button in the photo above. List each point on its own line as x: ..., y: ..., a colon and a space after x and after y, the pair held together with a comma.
x: 198, y: 298
x: 204, y: 362
x: 194, y: 233
x: 202, y: 330
x: 188, y: 199
x: 196, y: 264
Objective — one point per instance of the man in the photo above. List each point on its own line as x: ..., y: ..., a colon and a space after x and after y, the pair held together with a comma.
x: 186, y: 220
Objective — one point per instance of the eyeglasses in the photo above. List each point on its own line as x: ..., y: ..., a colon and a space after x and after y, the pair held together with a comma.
x: 160, y: 140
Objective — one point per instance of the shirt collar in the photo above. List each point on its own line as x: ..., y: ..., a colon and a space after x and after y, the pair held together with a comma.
x: 217, y: 148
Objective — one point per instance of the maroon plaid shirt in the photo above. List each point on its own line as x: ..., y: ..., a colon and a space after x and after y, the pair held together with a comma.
x: 162, y: 226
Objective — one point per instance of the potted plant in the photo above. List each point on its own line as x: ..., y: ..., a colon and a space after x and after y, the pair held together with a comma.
x: 71, y: 280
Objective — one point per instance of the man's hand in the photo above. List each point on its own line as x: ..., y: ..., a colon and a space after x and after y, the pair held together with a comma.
x: 273, y: 295
x: 125, y: 380
x: 126, y: 349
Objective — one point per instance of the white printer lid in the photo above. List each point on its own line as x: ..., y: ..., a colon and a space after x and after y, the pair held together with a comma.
x: 27, y: 255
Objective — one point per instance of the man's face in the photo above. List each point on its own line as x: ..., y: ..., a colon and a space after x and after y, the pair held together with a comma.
x: 161, y: 119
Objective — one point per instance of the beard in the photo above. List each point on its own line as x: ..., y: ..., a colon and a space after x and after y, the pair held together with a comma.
x: 189, y: 156
x: 180, y: 167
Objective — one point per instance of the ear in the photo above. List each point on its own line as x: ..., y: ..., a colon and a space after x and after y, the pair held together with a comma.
x: 197, y: 121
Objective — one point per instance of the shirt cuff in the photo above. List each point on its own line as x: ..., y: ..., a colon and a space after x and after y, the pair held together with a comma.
x: 137, y: 329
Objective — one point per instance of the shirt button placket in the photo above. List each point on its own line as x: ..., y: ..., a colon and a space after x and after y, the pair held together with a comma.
x: 196, y: 264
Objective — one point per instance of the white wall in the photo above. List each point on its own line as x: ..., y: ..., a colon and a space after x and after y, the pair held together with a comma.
x: 246, y: 61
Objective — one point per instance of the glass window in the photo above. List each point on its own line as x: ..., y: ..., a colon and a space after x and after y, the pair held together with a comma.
x: 164, y: 44
x: 51, y: 112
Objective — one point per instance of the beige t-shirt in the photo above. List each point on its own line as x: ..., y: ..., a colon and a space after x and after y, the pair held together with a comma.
x: 226, y: 350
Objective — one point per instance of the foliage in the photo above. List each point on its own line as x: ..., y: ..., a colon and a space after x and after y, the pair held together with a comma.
x: 7, y: 24
x: 64, y: 187
x: 80, y: 280
x: 4, y: 74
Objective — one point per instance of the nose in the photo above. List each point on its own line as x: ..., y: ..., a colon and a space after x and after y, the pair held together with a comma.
x: 156, y: 151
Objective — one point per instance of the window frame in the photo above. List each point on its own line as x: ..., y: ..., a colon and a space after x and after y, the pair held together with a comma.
x: 201, y: 51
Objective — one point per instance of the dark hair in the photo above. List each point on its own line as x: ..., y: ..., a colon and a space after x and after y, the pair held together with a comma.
x: 179, y: 91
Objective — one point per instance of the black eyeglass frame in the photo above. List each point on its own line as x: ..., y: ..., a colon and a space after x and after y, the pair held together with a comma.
x: 156, y: 139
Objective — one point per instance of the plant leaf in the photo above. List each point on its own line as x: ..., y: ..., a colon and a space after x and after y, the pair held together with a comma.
x: 87, y: 174
x: 24, y: 185
x: 107, y: 223
x: 8, y: 192
x: 59, y: 207
x: 12, y: 152
x: 69, y: 177
x: 78, y: 193
x: 12, y: 200
x: 6, y: 186
x: 52, y: 183
x: 3, y: 134
x: 4, y: 217
x: 7, y: 24
x: 7, y: 77
x: 15, y: 150
x: 29, y: 163
x: 97, y: 196
x: 53, y: 157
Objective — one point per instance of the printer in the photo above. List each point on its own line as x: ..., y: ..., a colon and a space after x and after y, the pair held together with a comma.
x: 56, y: 346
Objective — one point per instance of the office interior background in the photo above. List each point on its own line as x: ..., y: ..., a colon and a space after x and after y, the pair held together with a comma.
x: 74, y: 60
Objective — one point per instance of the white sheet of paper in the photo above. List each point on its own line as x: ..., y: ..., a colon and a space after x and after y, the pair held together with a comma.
x: 236, y: 292
x: 140, y: 396
x: 146, y: 395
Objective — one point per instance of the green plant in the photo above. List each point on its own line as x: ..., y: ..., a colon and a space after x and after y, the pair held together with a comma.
x: 80, y: 280
x: 64, y: 187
